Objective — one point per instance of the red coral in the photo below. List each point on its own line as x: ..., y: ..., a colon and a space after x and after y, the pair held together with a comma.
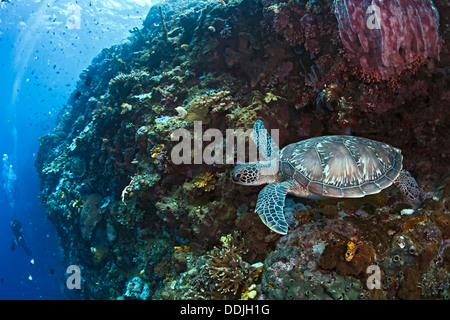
x: 280, y: 22
x: 407, y: 29
x: 295, y: 24
x: 284, y: 69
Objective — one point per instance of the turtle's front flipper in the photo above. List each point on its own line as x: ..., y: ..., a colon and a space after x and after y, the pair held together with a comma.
x: 270, y: 206
x: 267, y: 147
x: 408, y: 186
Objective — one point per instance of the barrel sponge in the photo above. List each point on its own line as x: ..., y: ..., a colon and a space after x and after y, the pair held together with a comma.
x: 385, y: 36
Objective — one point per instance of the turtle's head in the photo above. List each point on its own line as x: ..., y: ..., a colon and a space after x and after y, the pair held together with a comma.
x: 250, y: 174
x: 246, y: 174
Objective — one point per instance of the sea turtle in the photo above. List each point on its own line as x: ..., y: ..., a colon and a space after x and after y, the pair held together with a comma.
x: 337, y: 166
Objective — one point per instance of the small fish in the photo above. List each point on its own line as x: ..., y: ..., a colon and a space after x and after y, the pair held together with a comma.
x: 351, y: 250
x: 181, y: 248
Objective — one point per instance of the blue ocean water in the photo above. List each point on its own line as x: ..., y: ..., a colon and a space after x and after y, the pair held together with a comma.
x: 44, y: 46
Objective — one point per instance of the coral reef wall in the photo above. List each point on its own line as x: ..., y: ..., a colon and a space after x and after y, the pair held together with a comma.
x: 142, y: 227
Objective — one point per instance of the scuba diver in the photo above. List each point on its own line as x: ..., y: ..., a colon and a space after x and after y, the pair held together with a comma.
x: 16, y: 228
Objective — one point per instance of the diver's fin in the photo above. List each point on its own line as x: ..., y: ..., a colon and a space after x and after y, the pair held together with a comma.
x: 13, y: 245
x: 27, y: 251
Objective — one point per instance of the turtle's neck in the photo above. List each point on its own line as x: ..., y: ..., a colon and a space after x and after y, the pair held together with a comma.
x: 269, y: 171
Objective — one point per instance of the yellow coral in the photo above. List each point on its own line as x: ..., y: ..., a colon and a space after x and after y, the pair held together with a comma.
x: 199, y: 108
x: 249, y: 293
x: 329, y: 92
x: 158, y: 153
x: 205, y: 182
x: 226, y: 240
x: 344, y: 112
x: 270, y: 97
x: 125, y: 107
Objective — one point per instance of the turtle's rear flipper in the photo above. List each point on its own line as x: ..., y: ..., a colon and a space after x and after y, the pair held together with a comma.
x: 408, y: 187
x: 270, y: 206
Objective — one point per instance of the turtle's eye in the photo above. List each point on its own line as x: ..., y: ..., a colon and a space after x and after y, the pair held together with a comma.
x: 237, y: 176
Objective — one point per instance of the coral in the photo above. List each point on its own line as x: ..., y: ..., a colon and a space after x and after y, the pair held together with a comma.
x: 78, y: 167
x: 158, y: 153
x: 249, y: 293
x: 243, y: 56
x: 285, y: 281
x: 123, y: 83
x: 283, y: 70
x: 256, y: 108
x: 233, y: 275
x: 90, y: 214
x: 163, y: 25
x: 345, y: 110
x: 329, y: 92
x: 436, y: 281
x: 111, y: 232
x: 136, y: 289
x: 298, y: 23
x: 206, y: 182
x: 128, y: 190
x: 294, y: 269
x: 442, y: 219
x: 182, y: 113
x: 98, y: 254
x: 403, y: 252
x: 199, y: 108
x: 125, y: 108
x: 270, y: 97
x: 335, y: 257
x: 400, y: 33
x: 141, y: 137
